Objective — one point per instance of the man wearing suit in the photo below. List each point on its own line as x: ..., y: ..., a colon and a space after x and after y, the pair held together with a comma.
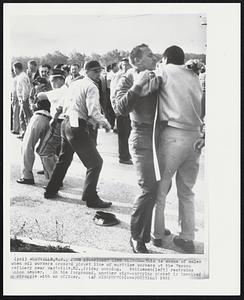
x: 32, y: 70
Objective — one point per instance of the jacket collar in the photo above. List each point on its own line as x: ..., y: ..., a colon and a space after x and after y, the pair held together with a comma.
x: 42, y: 111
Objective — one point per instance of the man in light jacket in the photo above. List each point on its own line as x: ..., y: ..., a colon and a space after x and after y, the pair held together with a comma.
x: 23, y: 90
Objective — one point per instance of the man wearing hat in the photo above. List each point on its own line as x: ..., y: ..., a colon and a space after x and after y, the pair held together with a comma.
x: 52, y: 140
x: 36, y: 130
x: 81, y: 109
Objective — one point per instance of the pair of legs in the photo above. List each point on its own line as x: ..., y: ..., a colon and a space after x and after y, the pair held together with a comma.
x: 15, y: 116
x: 124, y: 129
x: 141, y: 145
x: 35, y: 131
x: 24, y: 115
x: 78, y: 140
x: 176, y: 155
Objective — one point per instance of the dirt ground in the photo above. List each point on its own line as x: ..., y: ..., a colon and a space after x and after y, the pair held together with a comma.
x: 66, y: 219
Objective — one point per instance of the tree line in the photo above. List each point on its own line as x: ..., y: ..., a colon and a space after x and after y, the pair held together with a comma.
x: 76, y: 57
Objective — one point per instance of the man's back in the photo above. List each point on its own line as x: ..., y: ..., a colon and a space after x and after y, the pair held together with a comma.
x: 180, y: 97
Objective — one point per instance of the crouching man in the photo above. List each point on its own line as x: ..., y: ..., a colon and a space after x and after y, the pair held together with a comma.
x: 36, y: 131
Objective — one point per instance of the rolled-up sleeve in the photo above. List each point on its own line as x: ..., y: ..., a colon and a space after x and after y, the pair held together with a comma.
x: 93, y: 105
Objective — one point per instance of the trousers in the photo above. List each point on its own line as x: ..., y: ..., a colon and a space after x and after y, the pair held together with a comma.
x: 48, y: 149
x: 176, y: 155
x: 15, y: 116
x: 36, y: 130
x: 24, y: 115
x: 124, y: 129
x: 142, y: 155
x: 78, y: 140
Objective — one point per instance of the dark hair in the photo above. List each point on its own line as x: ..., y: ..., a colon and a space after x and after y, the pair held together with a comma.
x: 18, y: 65
x: 124, y: 59
x: 136, y: 52
x: 40, y: 80
x: 175, y: 55
x: 58, y: 66
x: 75, y: 64
x: 109, y: 67
x: 32, y: 62
x: 45, y: 66
x: 58, y: 74
x: 113, y: 65
x: 65, y: 68
x: 43, y: 104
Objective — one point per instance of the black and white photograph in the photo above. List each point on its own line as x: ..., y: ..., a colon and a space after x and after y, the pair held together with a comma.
x: 106, y: 162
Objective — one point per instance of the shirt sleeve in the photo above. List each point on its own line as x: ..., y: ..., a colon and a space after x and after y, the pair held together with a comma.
x: 23, y: 88
x: 93, y: 105
x: 126, y: 95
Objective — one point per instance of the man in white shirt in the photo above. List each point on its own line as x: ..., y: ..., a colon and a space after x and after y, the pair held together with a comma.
x: 109, y: 112
x: 74, y: 74
x: 15, y: 105
x: 123, y: 122
x: 52, y: 140
x: 81, y: 109
x: 23, y: 90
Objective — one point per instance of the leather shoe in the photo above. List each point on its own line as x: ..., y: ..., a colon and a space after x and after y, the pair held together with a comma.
x: 98, y: 203
x: 126, y: 162
x: 186, y: 245
x: 26, y: 181
x: 45, y: 186
x: 158, y: 242
x: 50, y: 195
x: 138, y: 247
x: 14, y: 132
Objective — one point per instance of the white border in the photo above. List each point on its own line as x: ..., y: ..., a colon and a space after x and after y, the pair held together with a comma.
x: 222, y: 154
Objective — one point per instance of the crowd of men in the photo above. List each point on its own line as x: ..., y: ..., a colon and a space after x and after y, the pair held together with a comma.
x: 158, y: 106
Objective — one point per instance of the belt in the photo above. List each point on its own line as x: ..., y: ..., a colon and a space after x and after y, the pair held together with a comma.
x: 41, y: 114
x: 163, y: 124
x: 60, y: 120
x: 137, y: 124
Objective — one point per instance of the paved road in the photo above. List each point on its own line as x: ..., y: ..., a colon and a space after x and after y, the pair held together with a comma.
x: 68, y: 220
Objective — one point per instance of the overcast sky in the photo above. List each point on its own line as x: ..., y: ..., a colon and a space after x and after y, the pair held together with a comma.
x: 36, y: 35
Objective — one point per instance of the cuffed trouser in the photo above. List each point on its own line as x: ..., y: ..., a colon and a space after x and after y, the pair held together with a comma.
x: 176, y: 155
x: 15, y: 117
x: 141, y: 146
x: 24, y: 115
x: 78, y: 140
x: 36, y: 130
x: 124, y: 129
x: 48, y: 149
